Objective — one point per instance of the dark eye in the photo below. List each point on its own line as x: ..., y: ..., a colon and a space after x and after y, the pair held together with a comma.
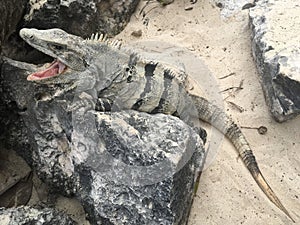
x: 57, y: 47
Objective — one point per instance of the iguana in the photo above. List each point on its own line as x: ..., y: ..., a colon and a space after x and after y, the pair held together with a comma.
x: 113, y: 77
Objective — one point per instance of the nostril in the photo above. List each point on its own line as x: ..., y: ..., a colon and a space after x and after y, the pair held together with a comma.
x: 26, y: 34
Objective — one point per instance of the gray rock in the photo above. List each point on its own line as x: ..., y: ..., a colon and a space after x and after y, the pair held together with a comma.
x: 230, y: 7
x: 25, y: 215
x: 148, y: 175
x: 11, y: 12
x: 275, y: 29
x: 81, y: 17
x: 125, y: 167
x: 15, y: 179
x: 13, y: 132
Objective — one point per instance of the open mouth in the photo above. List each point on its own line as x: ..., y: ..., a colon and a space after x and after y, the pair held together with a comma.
x: 54, y: 69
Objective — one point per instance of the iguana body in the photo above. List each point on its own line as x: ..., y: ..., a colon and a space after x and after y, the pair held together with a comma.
x: 115, y: 78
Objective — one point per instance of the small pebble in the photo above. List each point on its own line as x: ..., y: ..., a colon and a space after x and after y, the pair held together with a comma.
x: 137, y: 33
x: 165, y: 2
x: 248, y: 6
x: 220, y: 5
x: 188, y: 8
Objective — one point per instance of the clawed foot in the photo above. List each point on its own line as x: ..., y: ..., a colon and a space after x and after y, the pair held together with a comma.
x: 83, y: 103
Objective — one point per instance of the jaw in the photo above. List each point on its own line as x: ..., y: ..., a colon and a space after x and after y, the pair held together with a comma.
x: 56, y: 68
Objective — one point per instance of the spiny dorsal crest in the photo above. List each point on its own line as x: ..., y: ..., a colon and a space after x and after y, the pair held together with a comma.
x: 104, y: 39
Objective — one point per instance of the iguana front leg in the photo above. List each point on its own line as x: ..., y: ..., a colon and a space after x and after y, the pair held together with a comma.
x: 85, y: 94
x: 84, y: 101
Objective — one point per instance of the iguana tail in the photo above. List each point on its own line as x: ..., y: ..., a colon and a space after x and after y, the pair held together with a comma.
x: 213, y: 115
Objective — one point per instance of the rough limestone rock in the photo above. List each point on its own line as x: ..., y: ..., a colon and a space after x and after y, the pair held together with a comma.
x: 125, y: 167
x: 13, y: 132
x: 230, y: 7
x: 25, y: 215
x: 275, y: 29
x: 80, y: 17
x: 154, y: 160
x: 11, y: 12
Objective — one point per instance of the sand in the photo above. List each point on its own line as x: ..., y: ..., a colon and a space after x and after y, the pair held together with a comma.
x: 227, y: 193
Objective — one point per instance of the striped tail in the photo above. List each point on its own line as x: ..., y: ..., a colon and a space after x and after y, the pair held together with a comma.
x: 213, y: 115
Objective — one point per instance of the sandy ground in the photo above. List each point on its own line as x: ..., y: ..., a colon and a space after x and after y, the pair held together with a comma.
x: 227, y: 193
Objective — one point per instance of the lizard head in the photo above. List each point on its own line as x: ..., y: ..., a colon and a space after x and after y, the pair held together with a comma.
x: 65, y: 48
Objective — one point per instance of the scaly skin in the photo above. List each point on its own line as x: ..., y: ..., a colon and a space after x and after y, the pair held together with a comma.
x: 123, y: 80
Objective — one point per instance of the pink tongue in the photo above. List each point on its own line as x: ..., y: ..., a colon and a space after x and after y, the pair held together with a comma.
x: 54, y: 69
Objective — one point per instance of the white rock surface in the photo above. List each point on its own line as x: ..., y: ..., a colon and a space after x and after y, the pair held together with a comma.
x: 275, y: 29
